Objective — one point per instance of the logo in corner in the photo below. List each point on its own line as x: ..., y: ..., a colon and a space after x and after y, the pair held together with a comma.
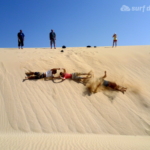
x: 125, y: 8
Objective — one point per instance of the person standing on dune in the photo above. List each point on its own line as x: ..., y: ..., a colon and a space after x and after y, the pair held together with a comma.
x: 20, y: 36
x: 52, y: 37
x: 114, y: 40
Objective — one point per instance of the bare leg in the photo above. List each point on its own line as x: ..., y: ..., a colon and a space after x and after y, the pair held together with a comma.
x: 85, y: 77
x: 121, y: 89
x: 29, y: 73
x: 30, y: 78
x: 26, y: 78
x: 100, y: 83
x: 84, y: 74
x: 51, y: 44
x: 90, y: 74
x: 54, y: 44
x: 113, y: 44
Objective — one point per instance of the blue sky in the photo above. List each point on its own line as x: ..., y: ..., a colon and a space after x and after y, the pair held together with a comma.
x: 77, y: 23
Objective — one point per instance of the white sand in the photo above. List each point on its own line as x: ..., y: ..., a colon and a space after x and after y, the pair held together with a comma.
x: 45, y: 115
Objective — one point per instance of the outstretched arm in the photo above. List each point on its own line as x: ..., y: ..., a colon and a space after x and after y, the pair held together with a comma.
x: 53, y: 78
x: 55, y: 69
x: 104, y: 75
x: 64, y: 70
x: 59, y: 69
x: 62, y: 78
x: 100, y: 82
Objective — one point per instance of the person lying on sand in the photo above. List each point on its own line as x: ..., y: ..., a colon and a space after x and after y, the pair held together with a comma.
x: 40, y: 75
x: 74, y: 76
x: 109, y: 84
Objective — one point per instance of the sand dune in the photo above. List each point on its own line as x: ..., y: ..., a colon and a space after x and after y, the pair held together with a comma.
x: 65, y: 110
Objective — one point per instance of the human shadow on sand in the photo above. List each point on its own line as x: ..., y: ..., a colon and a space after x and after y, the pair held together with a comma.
x: 110, y: 94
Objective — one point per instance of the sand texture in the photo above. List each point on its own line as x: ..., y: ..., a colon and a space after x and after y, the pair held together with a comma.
x: 41, y: 114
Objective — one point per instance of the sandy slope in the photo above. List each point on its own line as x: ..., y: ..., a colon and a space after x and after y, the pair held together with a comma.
x: 73, y: 142
x: 35, y: 108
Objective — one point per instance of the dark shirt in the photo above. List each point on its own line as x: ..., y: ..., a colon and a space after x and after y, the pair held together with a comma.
x: 21, y: 36
x: 52, y: 35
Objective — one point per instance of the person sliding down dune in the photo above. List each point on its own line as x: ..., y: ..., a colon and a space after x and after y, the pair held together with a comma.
x: 39, y: 75
x: 74, y: 76
x: 109, y: 84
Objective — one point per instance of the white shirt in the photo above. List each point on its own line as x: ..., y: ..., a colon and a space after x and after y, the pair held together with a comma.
x: 49, y: 73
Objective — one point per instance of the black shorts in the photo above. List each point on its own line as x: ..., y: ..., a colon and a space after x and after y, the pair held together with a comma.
x: 39, y: 75
x: 20, y: 43
x: 106, y: 83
